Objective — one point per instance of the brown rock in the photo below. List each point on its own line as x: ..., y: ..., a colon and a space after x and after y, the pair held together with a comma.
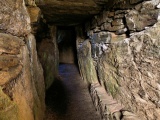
x: 14, y: 17
x: 10, y: 44
x: 10, y: 74
x: 7, y: 61
x: 34, y: 13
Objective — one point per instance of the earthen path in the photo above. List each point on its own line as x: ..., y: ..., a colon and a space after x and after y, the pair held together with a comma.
x: 69, y: 99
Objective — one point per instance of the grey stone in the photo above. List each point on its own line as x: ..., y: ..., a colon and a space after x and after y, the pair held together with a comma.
x: 138, y: 21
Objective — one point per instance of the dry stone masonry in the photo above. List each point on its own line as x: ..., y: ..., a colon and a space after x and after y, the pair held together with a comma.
x: 123, y: 48
x: 119, y: 55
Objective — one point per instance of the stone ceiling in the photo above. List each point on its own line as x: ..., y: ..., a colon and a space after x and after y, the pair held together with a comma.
x: 68, y: 12
x: 72, y: 12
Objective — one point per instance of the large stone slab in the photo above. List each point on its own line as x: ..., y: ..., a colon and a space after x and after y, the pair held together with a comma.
x: 68, y: 12
x: 22, y: 84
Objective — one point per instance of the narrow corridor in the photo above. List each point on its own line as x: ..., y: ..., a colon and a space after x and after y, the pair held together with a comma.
x: 68, y: 98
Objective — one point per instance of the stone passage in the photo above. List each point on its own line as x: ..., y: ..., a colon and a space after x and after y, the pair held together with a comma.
x: 69, y: 99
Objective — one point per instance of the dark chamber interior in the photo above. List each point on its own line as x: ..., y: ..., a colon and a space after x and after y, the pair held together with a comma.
x: 66, y: 39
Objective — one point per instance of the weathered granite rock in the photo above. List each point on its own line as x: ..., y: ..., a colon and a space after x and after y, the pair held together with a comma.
x: 14, y: 18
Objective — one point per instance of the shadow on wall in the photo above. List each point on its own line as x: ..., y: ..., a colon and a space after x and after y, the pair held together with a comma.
x: 56, y: 97
x: 66, y: 39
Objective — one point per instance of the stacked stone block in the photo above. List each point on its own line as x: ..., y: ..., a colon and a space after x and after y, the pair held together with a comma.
x: 125, y: 52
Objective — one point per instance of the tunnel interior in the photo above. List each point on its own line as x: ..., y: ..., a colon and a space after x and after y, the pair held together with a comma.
x: 66, y: 40
x: 98, y: 35
x: 117, y: 43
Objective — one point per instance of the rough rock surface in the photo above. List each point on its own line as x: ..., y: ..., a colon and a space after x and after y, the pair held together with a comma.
x: 14, y: 18
x: 22, y: 84
x: 22, y: 89
x: 86, y: 63
x: 128, y: 65
x: 68, y: 12
x: 49, y: 58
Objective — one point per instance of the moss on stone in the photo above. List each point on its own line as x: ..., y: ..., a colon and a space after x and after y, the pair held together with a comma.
x: 8, y: 109
x: 112, y: 87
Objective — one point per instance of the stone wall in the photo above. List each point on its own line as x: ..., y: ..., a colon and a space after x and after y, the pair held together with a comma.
x: 47, y: 48
x: 123, y: 51
x: 49, y: 57
x: 22, y: 89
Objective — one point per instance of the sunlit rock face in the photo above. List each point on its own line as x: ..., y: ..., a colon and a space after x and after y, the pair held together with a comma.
x: 22, y: 88
x: 125, y: 52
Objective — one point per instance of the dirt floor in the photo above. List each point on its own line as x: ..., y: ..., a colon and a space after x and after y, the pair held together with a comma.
x: 68, y: 98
